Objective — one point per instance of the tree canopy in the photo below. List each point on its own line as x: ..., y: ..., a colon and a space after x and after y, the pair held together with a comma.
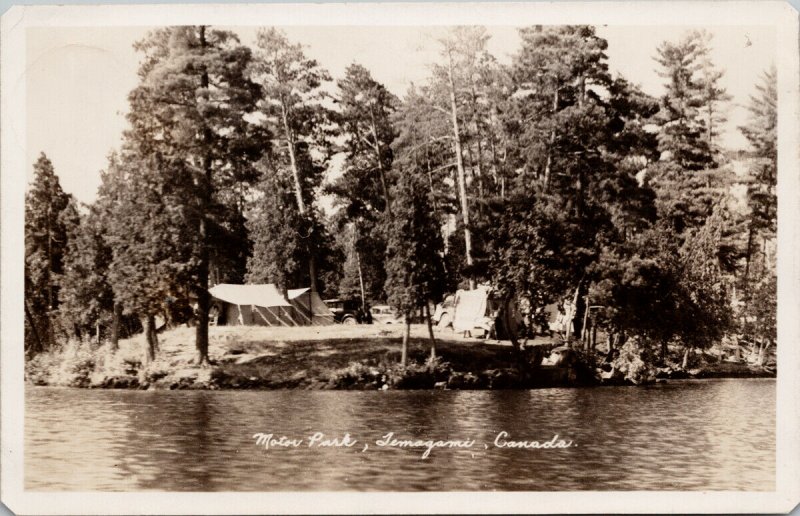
x: 550, y: 178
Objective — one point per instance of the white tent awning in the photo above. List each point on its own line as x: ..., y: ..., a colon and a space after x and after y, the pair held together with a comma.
x: 259, y: 295
x: 294, y: 293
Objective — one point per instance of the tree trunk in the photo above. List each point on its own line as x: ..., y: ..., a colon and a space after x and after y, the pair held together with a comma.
x: 510, y: 327
x: 358, y: 266
x: 203, y: 298
x: 150, y: 338
x: 579, y: 186
x: 581, y: 311
x: 298, y: 186
x: 747, y: 257
x: 34, y: 330
x: 462, y: 181
x: 361, y: 282
x: 495, y: 168
x: 552, y: 141
x: 685, y: 362
x: 312, y: 273
x: 430, y: 330
x: 430, y: 182
x: 584, y: 326
x: 379, y: 158
x: 115, y: 326
x: 760, y: 357
x: 406, y: 333
x: 478, y: 147
x: 298, y: 189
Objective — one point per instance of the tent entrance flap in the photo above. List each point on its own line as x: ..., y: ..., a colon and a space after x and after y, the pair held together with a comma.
x: 309, y: 307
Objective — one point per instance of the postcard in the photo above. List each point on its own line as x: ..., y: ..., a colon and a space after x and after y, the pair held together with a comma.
x: 400, y: 258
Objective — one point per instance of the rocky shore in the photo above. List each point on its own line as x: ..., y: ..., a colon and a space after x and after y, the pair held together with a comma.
x: 365, y: 358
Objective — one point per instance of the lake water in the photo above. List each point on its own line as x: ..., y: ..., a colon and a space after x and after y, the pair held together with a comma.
x: 688, y: 435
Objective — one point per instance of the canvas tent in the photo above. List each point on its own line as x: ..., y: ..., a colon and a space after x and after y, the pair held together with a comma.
x: 265, y: 305
x: 469, y: 307
x: 309, y: 307
x: 249, y: 305
x: 477, y: 311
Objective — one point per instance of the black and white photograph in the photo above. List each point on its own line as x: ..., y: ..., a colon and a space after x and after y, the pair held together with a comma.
x: 366, y: 252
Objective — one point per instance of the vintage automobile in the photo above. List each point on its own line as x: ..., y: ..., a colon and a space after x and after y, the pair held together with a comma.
x: 345, y: 311
x: 383, y: 314
x: 443, y: 315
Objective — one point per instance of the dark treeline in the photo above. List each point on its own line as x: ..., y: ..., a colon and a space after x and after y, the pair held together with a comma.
x: 549, y: 178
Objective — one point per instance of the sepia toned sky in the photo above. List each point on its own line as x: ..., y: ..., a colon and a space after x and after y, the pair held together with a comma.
x: 78, y: 79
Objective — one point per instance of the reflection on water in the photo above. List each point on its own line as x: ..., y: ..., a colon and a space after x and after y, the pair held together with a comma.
x: 703, y: 435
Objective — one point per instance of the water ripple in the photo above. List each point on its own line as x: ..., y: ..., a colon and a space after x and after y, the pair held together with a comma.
x: 693, y: 435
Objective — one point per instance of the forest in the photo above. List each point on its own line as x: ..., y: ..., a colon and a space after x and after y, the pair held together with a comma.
x: 549, y: 178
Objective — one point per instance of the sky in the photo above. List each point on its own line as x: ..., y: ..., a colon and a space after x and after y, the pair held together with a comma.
x: 78, y: 79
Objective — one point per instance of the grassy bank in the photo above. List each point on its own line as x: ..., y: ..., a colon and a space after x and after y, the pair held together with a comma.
x: 332, y: 357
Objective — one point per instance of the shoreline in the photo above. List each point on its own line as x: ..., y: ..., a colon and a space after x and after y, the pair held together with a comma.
x: 352, y: 358
x: 754, y: 375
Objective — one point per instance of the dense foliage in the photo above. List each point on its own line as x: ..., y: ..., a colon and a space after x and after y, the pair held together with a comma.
x: 549, y: 178
x: 48, y: 210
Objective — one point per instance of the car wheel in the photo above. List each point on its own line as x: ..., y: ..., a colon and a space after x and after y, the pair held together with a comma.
x: 349, y: 321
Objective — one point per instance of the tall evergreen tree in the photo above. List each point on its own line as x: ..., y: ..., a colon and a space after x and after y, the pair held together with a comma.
x: 366, y: 108
x: 190, y: 113
x: 684, y: 132
x: 152, y: 269
x: 759, y: 281
x: 413, y: 252
x: 578, y: 145
x: 363, y: 190
x: 295, y: 115
x: 47, y: 225
x: 715, y: 97
x: 85, y: 296
x: 285, y: 240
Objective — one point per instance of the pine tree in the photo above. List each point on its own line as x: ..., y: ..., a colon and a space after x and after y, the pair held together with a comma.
x: 577, y: 145
x: 190, y: 114
x: 425, y: 143
x: 761, y: 132
x: 450, y: 127
x: 284, y: 239
x: 413, y: 252
x: 47, y: 214
x: 684, y: 133
x: 448, y: 73
x: 295, y: 114
x: 363, y: 246
x: 366, y: 109
x: 152, y: 267
x: 759, y: 277
x: 762, y: 127
x: 715, y: 97
x: 85, y: 296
